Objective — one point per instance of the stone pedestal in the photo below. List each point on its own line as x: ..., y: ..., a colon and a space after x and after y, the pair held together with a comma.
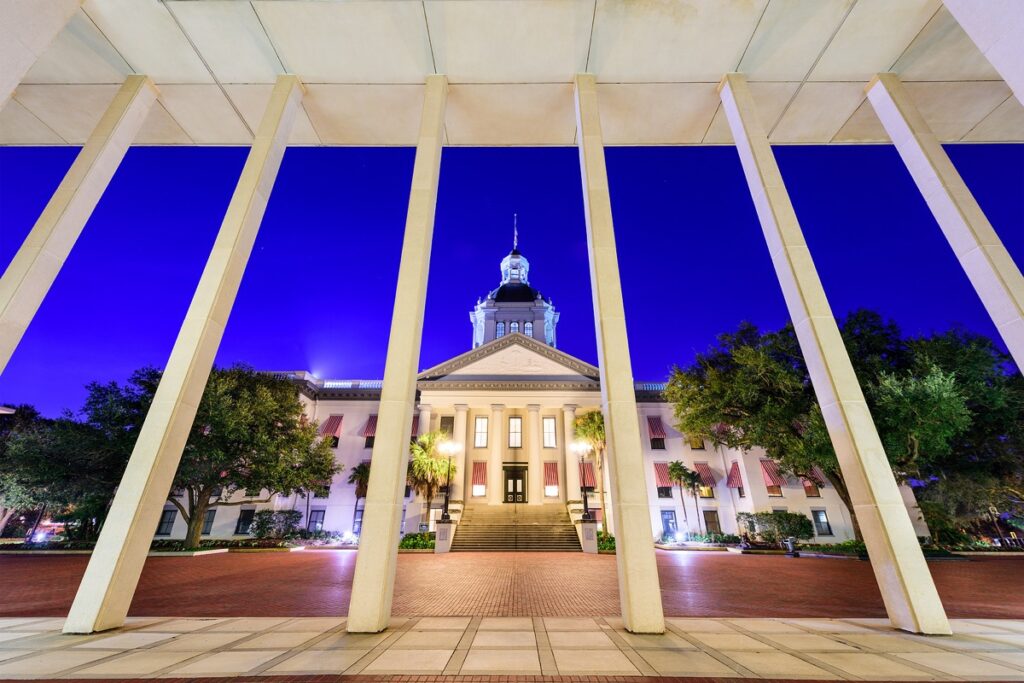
x: 588, y: 536
x: 444, y: 535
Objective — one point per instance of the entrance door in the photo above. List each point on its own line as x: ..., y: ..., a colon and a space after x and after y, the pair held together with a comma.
x: 515, y: 484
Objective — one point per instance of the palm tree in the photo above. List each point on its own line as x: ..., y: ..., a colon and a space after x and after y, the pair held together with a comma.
x: 686, y: 479
x: 590, y: 429
x: 428, y: 471
x: 360, y: 477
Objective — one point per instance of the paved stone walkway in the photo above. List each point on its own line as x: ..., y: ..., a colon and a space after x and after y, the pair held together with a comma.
x: 318, y: 583
x: 820, y: 649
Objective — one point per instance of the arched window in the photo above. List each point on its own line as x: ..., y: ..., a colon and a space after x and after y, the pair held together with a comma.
x: 500, y: 330
x: 513, y: 328
x: 528, y: 329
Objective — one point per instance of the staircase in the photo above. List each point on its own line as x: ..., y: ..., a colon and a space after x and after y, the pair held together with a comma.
x: 494, y: 528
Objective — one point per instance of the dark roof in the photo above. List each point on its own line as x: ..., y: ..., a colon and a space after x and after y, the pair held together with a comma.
x: 515, y: 292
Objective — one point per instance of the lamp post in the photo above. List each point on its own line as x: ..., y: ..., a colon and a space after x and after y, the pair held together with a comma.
x: 581, y: 448
x: 448, y: 448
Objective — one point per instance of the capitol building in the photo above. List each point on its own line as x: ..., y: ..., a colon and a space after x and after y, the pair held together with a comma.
x: 509, y: 405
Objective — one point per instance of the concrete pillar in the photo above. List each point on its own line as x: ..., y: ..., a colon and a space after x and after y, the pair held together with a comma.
x: 989, y: 267
x: 27, y: 28
x: 995, y: 26
x: 639, y: 590
x: 495, y: 473
x: 106, y: 590
x: 461, y: 469
x: 535, y: 475
x: 374, y: 580
x: 571, y: 462
x: 896, y: 558
x: 424, y: 421
x: 34, y: 268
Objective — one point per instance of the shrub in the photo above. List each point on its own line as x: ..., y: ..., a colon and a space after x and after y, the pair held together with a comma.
x: 773, y: 527
x: 275, y: 523
x: 424, y: 541
x: 605, y: 541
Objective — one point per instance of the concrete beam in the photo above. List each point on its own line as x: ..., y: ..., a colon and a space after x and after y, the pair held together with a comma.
x: 27, y: 28
x: 989, y: 267
x: 34, y: 268
x: 112, y: 575
x: 996, y: 27
x: 906, y: 585
x: 373, y: 584
x: 639, y: 588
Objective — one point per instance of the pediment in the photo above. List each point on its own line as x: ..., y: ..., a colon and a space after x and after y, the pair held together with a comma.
x: 513, y: 357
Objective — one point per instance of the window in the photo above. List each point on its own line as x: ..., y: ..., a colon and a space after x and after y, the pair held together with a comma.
x: 408, y: 491
x: 448, y: 425
x: 316, y: 520
x: 821, y: 525
x: 774, y: 491
x: 664, y: 492
x: 369, y: 442
x: 706, y: 491
x: 401, y: 529
x: 208, y: 521
x: 740, y: 492
x: 711, y: 522
x: 499, y: 330
x: 528, y: 329
x: 811, y: 489
x: 549, y: 432
x: 658, y: 444
x: 515, y: 432
x: 668, y: 523
x: 696, y: 443
x: 166, y: 522
x: 513, y: 328
x: 245, y: 516
x: 480, y: 433
x: 334, y: 441
x: 357, y: 521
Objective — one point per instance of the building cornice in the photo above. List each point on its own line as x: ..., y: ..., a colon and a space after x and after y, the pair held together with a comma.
x: 517, y: 339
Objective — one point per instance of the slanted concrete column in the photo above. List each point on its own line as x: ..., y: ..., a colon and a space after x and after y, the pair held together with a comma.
x: 535, y: 475
x: 27, y: 28
x: 459, y: 437
x: 374, y: 580
x: 29, y: 276
x: 424, y: 422
x: 639, y: 590
x: 995, y: 26
x: 106, y: 590
x: 896, y: 558
x: 495, y: 472
x: 989, y: 267
x: 570, y: 463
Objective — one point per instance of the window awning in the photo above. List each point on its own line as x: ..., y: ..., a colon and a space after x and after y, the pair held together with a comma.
x: 415, y: 426
x: 479, y: 473
x: 707, y: 477
x: 587, y: 477
x: 661, y: 474
x: 771, y: 473
x: 371, y: 427
x: 331, y: 426
x: 551, y: 474
x: 656, y: 428
x: 735, y: 480
x: 817, y: 477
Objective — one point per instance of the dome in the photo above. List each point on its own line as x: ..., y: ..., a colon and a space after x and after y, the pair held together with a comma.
x: 517, y: 292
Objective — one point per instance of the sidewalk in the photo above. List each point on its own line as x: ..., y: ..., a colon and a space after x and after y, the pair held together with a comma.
x: 850, y: 649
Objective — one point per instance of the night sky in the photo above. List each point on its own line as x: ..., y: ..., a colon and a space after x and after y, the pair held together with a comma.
x: 318, y: 289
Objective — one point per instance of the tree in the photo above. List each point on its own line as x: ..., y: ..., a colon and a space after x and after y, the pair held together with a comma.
x: 14, y: 496
x: 686, y: 479
x: 590, y: 430
x: 428, y: 471
x: 359, y: 476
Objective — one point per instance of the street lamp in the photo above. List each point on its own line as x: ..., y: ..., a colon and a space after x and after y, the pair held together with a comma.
x: 448, y: 448
x: 581, y: 448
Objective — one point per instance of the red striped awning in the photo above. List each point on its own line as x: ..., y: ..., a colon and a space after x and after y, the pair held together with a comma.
x: 551, y: 474
x: 587, y: 477
x: 371, y: 427
x: 817, y: 477
x: 771, y: 473
x: 415, y: 426
x: 661, y: 474
x: 735, y: 480
x: 656, y: 428
x: 479, y: 473
x: 331, y: 426
x: 707, y: 477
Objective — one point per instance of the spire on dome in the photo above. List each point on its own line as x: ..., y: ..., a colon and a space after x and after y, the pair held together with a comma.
x: 515, y: 232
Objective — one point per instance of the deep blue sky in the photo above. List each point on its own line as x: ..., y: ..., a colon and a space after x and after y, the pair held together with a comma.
x: 317, y: 293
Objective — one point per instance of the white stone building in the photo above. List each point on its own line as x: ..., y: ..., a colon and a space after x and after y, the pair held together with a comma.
x: 509, y: 404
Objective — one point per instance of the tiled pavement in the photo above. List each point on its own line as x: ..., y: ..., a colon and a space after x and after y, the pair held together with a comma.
x: 819, y: 649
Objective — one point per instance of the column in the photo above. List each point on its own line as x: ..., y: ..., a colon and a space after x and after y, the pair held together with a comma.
x: 461, y: 467
x: 988, y: 265
x: 570, y: 463
x: 113, y: 572
x: 27, y: 28
x: 374, y: 580
x: 995, y: 26
x: 535, y: 474
x: 424, y: 421
x: 495, y: 473
x: 639, y: 590
x: 896, y: 558
x: 34, y: 268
